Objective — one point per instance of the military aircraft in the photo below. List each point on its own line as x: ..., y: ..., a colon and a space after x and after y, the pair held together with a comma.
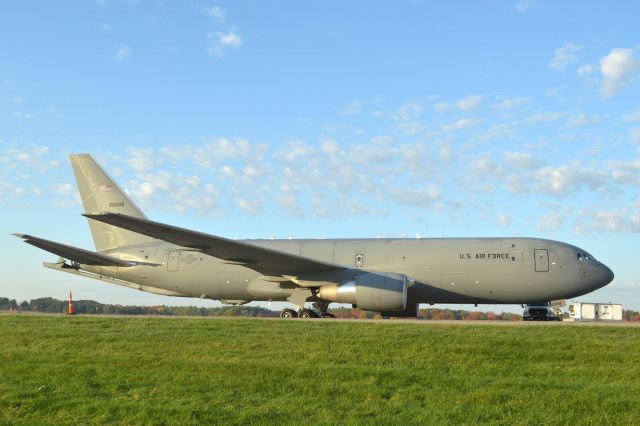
x: 390, y: 276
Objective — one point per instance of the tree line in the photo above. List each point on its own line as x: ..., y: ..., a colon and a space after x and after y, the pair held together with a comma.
x: 51, y: 305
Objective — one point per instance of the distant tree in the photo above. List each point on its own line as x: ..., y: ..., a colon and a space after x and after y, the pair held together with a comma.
x: 474, y: 316
x: 424, y: 314
x: 508, y: 316
x: 491, y: 316
x: 443, y: 314
x: 48, y: 304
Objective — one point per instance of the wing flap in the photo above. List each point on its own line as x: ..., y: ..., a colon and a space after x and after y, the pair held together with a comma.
x: 264, y: 260
x: 74, y: 254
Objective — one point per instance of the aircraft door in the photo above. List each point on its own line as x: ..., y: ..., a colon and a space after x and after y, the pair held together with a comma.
x: 541, y: 259
x: 173, y: 260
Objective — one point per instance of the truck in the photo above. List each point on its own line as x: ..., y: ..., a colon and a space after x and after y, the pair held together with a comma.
x: 542, y: 311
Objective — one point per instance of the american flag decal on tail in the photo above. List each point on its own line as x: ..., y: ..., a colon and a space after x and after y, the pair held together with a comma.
x: 105, y: 188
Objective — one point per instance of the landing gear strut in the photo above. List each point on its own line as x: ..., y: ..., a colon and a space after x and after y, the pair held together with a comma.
x: 323, y: 307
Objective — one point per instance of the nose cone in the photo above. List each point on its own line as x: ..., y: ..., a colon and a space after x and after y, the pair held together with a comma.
x: 607, y: 275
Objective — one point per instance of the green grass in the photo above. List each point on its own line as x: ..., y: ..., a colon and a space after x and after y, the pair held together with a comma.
x: 96, y: 370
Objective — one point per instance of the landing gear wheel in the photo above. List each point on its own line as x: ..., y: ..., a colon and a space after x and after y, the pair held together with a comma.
x: 327, y: 316
x: 307, y: 313
x: 288, y: 313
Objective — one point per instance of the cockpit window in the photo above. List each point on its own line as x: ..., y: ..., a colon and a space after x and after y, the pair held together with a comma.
x: 585, y: 257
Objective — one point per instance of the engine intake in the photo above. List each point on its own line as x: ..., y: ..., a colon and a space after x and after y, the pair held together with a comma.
x: 370, y: 291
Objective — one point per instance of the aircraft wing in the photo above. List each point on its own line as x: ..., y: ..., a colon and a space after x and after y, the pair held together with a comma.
x: 74, y: 254
x: 261, y: 259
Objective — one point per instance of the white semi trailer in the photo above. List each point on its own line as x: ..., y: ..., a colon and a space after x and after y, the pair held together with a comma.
x: 580, y: 311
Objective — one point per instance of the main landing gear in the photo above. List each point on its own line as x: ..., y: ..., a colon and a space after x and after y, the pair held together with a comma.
x: 288, y: 313
x: 319, y: 311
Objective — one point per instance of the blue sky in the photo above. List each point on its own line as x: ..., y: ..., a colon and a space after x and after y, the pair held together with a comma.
x: 324, y: 119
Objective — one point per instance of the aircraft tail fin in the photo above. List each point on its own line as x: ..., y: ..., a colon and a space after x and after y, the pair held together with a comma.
x: 100, y: 193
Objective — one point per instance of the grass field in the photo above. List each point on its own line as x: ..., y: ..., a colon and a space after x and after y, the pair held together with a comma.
x: 97, y: 370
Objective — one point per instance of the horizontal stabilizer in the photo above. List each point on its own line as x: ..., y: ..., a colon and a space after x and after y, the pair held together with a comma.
x: 84, y: 257
x: 264, y: 260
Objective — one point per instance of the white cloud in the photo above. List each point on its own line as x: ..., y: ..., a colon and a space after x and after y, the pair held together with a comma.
x: 545, y: 117
x: 250, y: 206
x: 122, y: 52
x: 586, y: 69
x: 169, y: 190
x: 631, y: 117
x: 556, y: 92
x: 634, y: 134
x: 18, y: 100
x: 522, y: 160
x: 626, y: 173
x: 21, y: 115
x: 63, y: 188
x: 504, y: 219
x: 497, y: 131
x: 510, y: 103
x: 524, y: 5
x: 142, y: 159
x: 617, y: 69
x: 565, y: 56
x: 420, y: 197
x: 622, y: 220
x: 228, y: 171
x: 353, y: 108
x: 470, y: 103
x: 219, y: 42
x: 410, y: 110
x: 461, y: 124
x: 382, y: 140
x: 484, y: 166
x: 517, y: 184
x: 582, y: 120
x: 346, y: 175
x: 216, y: 12
x: 564, y: 180
x: 290, y: 203
x: 552, y: 221
x: 330, y: 146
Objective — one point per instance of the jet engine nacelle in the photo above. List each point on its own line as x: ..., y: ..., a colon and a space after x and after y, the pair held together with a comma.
x: 370, y: 291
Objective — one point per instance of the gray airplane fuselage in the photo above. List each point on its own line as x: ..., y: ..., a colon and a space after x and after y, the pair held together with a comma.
x: 390, y: 276
x: 447, y: 270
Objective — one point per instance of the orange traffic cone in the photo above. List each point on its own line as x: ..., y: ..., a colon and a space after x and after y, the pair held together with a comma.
x: 71, y: 311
